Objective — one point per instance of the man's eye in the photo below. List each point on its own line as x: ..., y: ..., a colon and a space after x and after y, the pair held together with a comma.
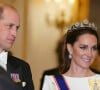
x: 17, y: 27
x: 10, y: 26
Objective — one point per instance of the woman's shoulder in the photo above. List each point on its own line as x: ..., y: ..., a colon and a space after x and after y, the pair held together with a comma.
x: 49, y: 83
x: 97, y: 76
x: 49, y: 77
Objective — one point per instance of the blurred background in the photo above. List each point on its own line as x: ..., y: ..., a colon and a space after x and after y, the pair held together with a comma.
x: 43, y: 24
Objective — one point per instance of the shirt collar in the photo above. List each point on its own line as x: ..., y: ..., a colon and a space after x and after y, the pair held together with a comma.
x: 3, y: 57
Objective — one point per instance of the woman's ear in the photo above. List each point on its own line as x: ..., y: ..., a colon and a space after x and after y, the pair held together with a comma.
x: 69, y: 48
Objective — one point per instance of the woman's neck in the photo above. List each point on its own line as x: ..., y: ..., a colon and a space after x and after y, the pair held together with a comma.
x: 79, y: 72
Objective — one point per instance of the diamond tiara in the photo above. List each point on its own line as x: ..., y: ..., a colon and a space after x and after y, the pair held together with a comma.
x: 78, y: 25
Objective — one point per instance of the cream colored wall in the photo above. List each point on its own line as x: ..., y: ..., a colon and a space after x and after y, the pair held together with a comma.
x: 41, y: 41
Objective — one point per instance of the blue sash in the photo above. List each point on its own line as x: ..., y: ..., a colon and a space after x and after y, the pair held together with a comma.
x: 61, y: 82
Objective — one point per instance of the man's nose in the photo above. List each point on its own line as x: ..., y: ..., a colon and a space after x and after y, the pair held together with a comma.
x: 14, y: 32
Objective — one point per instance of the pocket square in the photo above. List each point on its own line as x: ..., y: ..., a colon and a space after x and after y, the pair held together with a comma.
x: 23, y: 84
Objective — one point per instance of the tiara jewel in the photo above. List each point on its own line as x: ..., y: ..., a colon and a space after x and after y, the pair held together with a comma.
x: 78, y: 25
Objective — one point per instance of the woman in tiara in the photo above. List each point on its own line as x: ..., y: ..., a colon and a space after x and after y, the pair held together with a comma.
x: 81, y: 50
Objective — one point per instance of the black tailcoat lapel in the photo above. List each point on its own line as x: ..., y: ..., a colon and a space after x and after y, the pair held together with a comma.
x: 13, y: 65
x: 13, y: 68
x: 19, y: 67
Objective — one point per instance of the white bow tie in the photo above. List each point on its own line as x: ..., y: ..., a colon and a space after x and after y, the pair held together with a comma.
x: 3, y: 57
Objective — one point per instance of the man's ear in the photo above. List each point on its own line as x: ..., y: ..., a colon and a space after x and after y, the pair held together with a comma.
x: 69, y: 48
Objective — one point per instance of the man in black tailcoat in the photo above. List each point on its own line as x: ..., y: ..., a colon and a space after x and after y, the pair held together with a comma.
x: 18, y: 70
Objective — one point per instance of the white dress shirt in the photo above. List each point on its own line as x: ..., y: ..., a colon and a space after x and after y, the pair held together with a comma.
x: 3, y: 59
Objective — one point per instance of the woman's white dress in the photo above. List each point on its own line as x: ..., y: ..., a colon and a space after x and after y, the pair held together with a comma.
x: 74, y: 83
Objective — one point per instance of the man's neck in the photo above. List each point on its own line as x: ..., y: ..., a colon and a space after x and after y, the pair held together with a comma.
x: 1, y: 50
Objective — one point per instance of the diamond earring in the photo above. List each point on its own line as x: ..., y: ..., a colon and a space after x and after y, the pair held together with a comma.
x: 70, y: 56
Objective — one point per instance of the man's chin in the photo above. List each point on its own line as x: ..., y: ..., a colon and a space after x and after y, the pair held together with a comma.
x: 8, y: 47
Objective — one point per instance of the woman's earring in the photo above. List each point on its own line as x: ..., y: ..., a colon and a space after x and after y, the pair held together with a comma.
x: 70, y: 56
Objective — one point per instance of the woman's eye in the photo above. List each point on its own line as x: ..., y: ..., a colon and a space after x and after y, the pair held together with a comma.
x: 83, y: 48
x: 94, y: 48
